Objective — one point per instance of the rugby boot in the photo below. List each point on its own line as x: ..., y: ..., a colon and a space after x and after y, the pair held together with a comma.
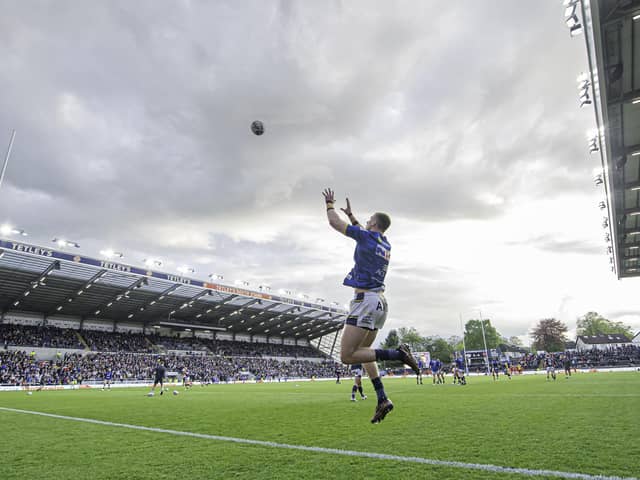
x: 408, y: 359
x: 382, y: 409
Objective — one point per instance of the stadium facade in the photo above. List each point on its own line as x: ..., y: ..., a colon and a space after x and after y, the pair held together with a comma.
x: 612, y: 87
x: 64, y: 289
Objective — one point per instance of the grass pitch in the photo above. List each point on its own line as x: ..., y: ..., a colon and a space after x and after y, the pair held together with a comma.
x: 589, y: 424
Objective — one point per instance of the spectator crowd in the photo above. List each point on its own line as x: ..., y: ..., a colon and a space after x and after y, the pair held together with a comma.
x: 22, y: 368
x: 99, y: 341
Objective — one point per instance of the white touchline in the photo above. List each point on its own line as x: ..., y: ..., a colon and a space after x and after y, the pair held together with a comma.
x: 336, y: 451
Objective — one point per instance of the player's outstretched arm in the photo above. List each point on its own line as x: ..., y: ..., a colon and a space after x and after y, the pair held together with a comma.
x: 334, y: 219
x: 354, y: 221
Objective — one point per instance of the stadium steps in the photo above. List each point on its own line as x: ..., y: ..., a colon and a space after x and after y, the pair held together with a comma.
x: 82, y: 341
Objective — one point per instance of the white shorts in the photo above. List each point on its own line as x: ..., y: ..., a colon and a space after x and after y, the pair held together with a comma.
x: 551, y: 369
x: 368, y: 310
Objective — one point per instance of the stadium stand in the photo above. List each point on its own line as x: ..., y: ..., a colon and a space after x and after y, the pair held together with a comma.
x: 20, y: 368
x: 38, y: 336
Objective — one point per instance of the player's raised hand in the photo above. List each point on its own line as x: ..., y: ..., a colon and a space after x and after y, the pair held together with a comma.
x: 329, y: 196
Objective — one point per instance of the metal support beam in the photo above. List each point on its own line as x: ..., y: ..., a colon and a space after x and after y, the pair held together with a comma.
x: 333, y: 345
x: 157, y: 299
x: 122, y: 294
x: 79, y: 292
x: 38, y: 282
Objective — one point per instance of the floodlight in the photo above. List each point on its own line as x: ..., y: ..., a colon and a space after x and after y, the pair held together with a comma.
x: 265, y: 288
x: 598, y: 180
x: 184, y: 269
x: 605, y: 222
x: 6, y: 229
x: 575, y: 30
x: 602, y: 205
x: 215, y: 276
x: 242, y: 282
x: 636, y: 17
x: 109, y: 253
x: 152, y: 262
x: 62, y: 243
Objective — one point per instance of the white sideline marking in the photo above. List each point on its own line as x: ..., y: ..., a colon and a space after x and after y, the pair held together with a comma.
x: 336, y: 451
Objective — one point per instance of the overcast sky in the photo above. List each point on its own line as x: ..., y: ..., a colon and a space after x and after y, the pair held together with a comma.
x: 459, y: 119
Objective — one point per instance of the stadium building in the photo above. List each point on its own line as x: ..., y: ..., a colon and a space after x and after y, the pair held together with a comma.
x: 46, y: 287
x: 612, y: 86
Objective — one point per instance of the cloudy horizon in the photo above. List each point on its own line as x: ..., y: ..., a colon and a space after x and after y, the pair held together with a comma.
x: 461, y: 121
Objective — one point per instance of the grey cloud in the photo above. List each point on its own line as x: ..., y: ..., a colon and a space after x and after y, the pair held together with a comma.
x: 385, y: 102
x: 555, y: 245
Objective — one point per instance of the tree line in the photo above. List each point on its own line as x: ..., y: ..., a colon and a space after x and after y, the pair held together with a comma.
x: 548, y: 334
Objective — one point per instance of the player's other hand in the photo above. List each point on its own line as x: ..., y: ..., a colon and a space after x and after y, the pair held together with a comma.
x: 347, y: 210
x: 329, y: 196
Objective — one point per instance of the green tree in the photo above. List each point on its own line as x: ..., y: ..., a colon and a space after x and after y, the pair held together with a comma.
x: 549, y: 335
x: 515, y: 340
x: 392, y: 340
x: 592, y: 323
x: 455, y: 342
x: 439, y: 348
x: 473, y: 335
x: 411, y: 337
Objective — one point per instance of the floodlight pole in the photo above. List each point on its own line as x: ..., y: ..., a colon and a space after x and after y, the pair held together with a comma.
x: 486, y: 352
x: 6, y: 157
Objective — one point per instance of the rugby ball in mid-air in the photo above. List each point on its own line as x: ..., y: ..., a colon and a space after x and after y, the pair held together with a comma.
x: 257, y: 127
x: 176, y: 392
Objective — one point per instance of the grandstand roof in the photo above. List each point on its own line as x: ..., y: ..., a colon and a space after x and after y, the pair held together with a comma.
x: 612, y: 31
x: 51, y: 282
x: 604, y: 339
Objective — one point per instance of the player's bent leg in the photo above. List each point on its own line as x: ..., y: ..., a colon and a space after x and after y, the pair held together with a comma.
x: 352, y: 350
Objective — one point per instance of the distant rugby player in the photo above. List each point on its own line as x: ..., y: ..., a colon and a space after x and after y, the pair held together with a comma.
x: 506, y: 368
x: 566, y: 362
x: 435, y: 367
x: 368, y: 309
x: 106, y: 381
x: 459, y: 372
x: 159, y: 373
x: 551, y: 367
x: 495, y: 370
x: 357, y: 382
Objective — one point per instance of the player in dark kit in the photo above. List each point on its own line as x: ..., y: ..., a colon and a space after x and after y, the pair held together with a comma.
x: 551, y: 367
x: 495, y: 370
x: 566, y: 361
x: 368, y: 309
x: 160, y: 372
x: 506, y: 368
